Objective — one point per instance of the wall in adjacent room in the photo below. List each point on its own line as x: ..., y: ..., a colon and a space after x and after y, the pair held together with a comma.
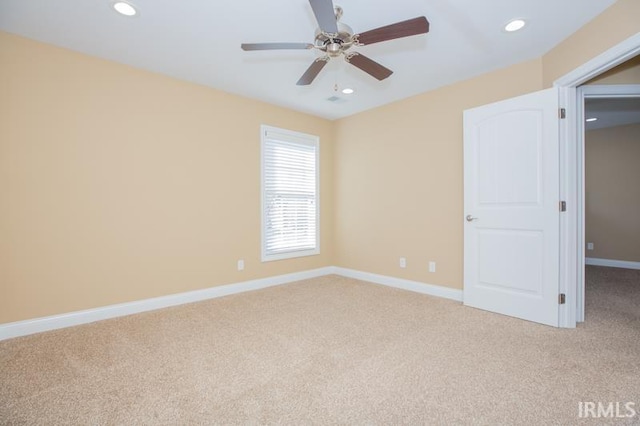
x: 118, y: 184
x: 612, y: 196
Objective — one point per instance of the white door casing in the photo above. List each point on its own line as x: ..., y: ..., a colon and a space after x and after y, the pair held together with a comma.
x: 511, y: 199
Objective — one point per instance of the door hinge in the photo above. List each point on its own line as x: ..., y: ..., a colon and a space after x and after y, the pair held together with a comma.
x: 561, y: 299
x: 562, y: 113
x: 563, y: 206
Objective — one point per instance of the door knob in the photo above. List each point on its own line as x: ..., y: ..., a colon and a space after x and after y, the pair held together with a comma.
x: 470, y: 218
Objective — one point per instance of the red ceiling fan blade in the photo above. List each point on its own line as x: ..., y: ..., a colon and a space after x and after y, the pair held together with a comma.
x: 325, y: 15
x: 407, y: 28
x: 312, y: 72
x: 275, y: 46
x: 369, y: 66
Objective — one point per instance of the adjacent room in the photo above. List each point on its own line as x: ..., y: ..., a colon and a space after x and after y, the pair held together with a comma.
x: 316, y: 212
x: 612, y: 198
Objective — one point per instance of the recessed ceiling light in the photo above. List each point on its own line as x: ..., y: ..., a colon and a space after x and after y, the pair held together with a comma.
x: 591, y: 119
x: 124, y: 8
x: 515, y: 25
x: 347, y: 91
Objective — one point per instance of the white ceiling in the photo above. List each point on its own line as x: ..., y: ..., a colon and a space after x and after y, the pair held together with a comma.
x: 199, y: 41
x: 612, y: 112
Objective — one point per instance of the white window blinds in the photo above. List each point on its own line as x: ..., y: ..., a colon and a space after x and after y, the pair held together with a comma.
x: 290, y: 213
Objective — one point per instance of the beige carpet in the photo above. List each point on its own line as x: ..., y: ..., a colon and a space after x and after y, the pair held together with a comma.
x: 329, y: 351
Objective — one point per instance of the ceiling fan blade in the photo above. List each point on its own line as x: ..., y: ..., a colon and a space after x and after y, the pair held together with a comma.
x: 325, y: 15
x: 312, y: 72
x: 275, y: 46
x: 369, y: 66
x: 406, y: 28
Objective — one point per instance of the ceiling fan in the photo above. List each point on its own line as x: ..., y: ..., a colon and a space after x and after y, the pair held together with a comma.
x: 335, y: 38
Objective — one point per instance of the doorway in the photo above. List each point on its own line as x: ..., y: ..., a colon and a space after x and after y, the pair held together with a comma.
x: 611, y: 195
x: 572, y: 223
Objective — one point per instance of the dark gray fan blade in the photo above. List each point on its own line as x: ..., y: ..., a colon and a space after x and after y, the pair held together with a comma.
x: 398, y: 30
x: 369, y: 66
x: 312, y: 72
x: 326, y: 17
x: 275, y: 46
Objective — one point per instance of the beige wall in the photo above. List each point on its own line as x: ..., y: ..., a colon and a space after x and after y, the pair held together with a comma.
x: 626, y: 73
x: 118, y: 184
x: 612, y: 160
x: 614, y: 25
x: 399, y: 169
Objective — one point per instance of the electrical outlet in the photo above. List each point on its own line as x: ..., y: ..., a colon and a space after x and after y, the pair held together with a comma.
x: 432, y: 266
x: 589, y: 246
x: 241, y: 265
x: 403, y: 262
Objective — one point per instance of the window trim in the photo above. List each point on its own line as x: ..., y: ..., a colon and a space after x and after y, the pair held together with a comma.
x: 289, y: 136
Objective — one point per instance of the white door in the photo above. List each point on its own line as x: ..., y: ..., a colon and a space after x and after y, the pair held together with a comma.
x: 511, y: 207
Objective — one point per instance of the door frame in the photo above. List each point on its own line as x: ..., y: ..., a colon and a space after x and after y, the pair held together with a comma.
x: 572, y: 253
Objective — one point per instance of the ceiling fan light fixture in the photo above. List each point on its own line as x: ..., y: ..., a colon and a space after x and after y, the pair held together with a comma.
x: 124, y: 8
x: 334, y: 49
x: 515, y: 25
x: 347, y: 90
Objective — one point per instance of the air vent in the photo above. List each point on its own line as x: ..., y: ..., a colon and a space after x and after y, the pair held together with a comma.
x: 336, y: 100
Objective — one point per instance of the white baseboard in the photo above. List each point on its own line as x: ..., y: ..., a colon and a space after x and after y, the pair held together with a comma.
x: 612, y: 263
x: 415, y: 286
x: 37, y: 325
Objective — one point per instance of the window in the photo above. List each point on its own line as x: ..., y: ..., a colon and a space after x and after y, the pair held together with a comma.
x: 290, y: 204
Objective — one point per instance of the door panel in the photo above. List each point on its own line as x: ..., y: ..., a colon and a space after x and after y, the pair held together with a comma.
x: 510, y: 261
x: 511, y: 178
x: 511, y: 237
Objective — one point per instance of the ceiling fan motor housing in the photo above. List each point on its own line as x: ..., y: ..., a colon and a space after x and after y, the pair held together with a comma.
x: 334, y: 44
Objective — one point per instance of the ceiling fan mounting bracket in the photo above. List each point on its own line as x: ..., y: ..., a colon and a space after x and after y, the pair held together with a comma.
x: 338, y: 11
